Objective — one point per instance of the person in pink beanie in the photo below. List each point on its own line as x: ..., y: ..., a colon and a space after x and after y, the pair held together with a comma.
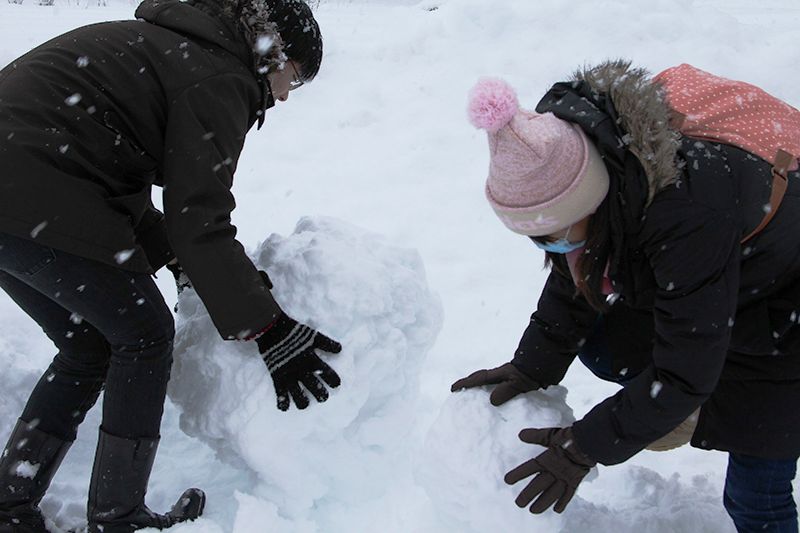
x: 666, y: 277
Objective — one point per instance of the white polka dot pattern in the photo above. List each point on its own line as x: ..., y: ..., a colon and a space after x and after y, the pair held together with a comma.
x: 732, y: 112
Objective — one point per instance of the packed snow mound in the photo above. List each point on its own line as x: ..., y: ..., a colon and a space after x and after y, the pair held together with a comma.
x: 18, y: 354
x: 642, y: 501
x: 472, y: 444
x: 360, y: 290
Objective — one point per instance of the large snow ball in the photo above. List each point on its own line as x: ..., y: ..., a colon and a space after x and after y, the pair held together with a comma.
x: 471, y: 446
x: 357, y: 288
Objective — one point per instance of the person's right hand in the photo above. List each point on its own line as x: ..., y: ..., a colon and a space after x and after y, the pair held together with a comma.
x: 181, y: 279
x: 509, y: 379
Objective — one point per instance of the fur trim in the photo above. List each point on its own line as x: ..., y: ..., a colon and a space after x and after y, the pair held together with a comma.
x: 252, y: 18
x: 644, y: 114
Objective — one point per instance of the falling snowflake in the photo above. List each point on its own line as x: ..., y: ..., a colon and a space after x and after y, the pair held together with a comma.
x: 263, y: 44
x: 123, y: 256
x: 38, y: 229
x: 655, y: 388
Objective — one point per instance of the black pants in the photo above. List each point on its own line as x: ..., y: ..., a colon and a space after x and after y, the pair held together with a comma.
x: 112, y: 328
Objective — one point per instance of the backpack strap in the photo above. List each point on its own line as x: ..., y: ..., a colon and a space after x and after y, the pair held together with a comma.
x: 780, y: 180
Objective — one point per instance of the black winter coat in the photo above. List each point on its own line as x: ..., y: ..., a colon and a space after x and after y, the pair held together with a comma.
x: 92, y: 119
x: 719, y: 318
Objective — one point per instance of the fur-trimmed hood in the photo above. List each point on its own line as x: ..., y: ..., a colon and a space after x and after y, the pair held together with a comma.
x: 643, y: 114
x: 240, y: 26
x: 261, y: 34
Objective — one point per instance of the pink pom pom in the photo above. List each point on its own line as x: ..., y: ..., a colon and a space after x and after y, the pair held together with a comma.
x: 492, y: 104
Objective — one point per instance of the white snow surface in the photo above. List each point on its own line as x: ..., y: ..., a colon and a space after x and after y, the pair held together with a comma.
x: 380, y: 141
x: 359, y: 289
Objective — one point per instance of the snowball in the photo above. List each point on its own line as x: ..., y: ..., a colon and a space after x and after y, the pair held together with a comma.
x: 472, y: 445
x: 469, y: 449
x: 364, y: 292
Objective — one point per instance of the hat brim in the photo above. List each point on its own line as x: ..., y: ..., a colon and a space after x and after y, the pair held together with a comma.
x: 580, y: 200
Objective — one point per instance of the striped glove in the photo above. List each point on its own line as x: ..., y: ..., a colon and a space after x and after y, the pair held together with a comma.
x: 289, y: 351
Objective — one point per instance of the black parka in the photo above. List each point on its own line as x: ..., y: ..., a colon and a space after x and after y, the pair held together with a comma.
x: 92, y: 119
x: 722, y: 316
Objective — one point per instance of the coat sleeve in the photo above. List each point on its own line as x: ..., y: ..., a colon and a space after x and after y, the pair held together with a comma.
x: 694, y: 256
x: 207, y: 123
x: 151, y: 235
x: 561, y: 322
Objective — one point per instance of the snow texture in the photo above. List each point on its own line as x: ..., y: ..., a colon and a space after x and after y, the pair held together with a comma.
x: 471, y: 446
x: 26, y: 469
x: 357, y: 288
x: 380, y: 139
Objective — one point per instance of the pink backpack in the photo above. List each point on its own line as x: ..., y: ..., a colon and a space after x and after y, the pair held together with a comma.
x: 709, y: 107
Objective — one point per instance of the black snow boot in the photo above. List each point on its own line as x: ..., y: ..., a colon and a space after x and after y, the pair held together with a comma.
x: 119, y: 482
x: 27, y: 466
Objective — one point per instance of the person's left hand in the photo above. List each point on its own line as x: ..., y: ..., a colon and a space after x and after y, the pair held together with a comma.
x: 289, y: 351
x: 560, y: 469
x: 181, y: 279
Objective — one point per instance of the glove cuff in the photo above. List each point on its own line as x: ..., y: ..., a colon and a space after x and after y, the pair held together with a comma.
x: 284, y: 340
x: 571, y: 449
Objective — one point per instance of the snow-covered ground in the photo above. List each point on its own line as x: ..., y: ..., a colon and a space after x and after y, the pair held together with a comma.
x: 378, y: 154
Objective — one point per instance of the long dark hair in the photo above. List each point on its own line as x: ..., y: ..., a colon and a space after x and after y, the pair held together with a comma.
x: 591, y: 266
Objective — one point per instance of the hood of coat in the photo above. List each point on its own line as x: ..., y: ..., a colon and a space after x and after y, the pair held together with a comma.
x: 240, y: 27
x: 643, y: 114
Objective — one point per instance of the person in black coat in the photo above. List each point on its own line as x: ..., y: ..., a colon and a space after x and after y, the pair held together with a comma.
x: 651, y: 287
x: 89, y: 122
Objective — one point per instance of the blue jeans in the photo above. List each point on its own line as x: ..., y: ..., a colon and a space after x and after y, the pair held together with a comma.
x: 758, y: 492
x: 112, y: 329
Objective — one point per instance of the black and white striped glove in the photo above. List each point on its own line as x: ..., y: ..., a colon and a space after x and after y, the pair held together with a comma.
x: 181, y: 279
x: 288, y: 349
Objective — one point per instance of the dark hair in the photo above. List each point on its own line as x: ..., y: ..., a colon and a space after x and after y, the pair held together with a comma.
x: 591, y: 266
x: 299, y: 31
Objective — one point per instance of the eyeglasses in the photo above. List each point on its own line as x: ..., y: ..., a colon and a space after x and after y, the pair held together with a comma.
x: 296, y: 81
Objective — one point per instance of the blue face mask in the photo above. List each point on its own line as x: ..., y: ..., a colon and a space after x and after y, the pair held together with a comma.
x: 560, y: 246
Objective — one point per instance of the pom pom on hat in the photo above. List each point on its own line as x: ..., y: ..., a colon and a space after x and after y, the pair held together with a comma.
x: 492, y: 104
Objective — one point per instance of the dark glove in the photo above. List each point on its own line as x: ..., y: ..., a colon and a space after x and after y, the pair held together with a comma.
x: 509, y: 379
x: 181, y: 279
x: 288, y: 351
x: 561, y: 468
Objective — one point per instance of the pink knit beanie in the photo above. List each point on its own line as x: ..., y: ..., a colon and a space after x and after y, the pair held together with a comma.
x: 544, y: 173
